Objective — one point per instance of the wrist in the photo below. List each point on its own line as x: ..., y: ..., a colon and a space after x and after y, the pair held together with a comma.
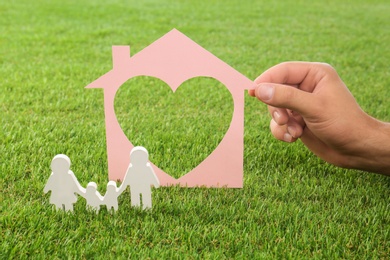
x: 375, y: 153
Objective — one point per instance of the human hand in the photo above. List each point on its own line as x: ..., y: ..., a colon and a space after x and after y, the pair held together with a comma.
x: 309, y: 101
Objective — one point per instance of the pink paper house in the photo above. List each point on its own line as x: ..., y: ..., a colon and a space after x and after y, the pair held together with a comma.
x: 174, y: 58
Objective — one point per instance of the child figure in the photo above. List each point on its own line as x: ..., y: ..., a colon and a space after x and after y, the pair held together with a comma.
x: 140, y: 177
x: 93, y: 197
x: 111, y: 196
x: 63, y: 184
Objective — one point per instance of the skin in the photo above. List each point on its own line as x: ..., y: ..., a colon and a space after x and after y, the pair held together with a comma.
x: 309, y: 101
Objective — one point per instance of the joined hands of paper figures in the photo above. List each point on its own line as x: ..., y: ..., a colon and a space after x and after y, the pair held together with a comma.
x: 139, y: 176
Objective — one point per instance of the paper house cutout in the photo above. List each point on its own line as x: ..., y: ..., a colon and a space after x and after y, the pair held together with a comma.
x: 175, y: 58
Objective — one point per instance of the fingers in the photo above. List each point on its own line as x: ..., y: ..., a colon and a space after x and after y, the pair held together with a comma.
x: 291, y: 73
x: 286, y: 73
x: 304, y: 75
x: 296, y: 73
x: 281, y: 133
x: 280, y: 115
x: 288, y: 132
x: 283, y: 96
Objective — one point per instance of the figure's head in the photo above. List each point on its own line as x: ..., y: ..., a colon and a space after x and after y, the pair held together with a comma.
x: 139, y: 156
x: 91, y: 187
x: 60, y: 164
x: 111, y: 186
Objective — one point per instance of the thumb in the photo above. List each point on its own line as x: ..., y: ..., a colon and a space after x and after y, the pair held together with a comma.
x: 285, y: 96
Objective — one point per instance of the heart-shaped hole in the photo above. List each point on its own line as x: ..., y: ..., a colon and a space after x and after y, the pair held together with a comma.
x: 179, y: 129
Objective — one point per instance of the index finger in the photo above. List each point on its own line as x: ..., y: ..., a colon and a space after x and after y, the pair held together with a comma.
x: 303, y: 74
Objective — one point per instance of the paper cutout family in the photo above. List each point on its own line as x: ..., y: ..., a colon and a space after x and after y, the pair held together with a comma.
x: 139, y: 177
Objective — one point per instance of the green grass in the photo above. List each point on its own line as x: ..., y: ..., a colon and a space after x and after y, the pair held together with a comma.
x: 292, y: 205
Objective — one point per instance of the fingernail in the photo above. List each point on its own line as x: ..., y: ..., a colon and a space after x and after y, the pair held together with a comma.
x: 265, y: 92
x: 287, y: 137
x: 291, y: 130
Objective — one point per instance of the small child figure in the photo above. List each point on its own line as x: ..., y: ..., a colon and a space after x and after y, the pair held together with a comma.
x: 93, y: 197
x: 111, y: 196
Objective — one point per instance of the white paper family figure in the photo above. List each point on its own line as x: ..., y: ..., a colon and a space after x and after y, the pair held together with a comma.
x: 139, y: 177
x: 111, y: 196
x: 93, y: 197
x: 63, y: 184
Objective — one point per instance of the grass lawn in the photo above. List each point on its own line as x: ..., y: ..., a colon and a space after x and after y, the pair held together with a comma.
x: 293, y: 205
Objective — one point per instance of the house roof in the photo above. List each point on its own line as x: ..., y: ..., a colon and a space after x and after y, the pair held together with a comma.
x: 174, y: 58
